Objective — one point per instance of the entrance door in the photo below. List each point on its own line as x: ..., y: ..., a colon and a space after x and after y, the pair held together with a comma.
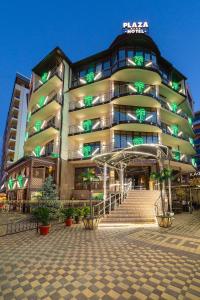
x: 139, y: 177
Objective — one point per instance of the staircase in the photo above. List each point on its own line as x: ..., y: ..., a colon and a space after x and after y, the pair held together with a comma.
x: 138, y: 207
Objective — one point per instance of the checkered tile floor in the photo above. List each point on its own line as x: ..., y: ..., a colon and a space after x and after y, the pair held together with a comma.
x: 109, y: 263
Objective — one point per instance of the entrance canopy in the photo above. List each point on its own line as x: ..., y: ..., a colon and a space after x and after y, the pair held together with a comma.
x: 121, y: 158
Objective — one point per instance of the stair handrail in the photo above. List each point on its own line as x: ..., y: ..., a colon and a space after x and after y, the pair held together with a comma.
x: 156, y: 204
x: 112, y: 201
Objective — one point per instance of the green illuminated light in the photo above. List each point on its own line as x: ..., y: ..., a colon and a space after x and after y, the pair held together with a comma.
x: 141, y: 114
x: 175, y: 85
x: 87, y: 100
x: 37, y: 151
x: 190, y: 121
x: 20, y: 180
x: 55, y: 155
x: 194, y: 162
x: 87, y: 151
x: 87, y: 125
x: 26, y: 136
x: 44, y: 77
x: 174, y: 107
x: 89, y: 77
x: 139, y: 85
x: 138, y: 140
x: 38, y: 125
x: 41, y: 101
x: 176, y: 155
x: 138, y: 60
x: 10, y: 183
x: 191, y: 141
x: 29, y: 116
x: 174, y: 129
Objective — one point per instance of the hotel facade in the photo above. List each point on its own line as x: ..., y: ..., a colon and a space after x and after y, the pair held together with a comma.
x: 126, y: 95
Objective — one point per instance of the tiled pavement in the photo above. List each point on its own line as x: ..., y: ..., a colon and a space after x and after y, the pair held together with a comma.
x: 110, y: 263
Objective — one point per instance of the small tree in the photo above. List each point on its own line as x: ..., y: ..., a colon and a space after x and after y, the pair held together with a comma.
x: 49, y: 197
x: 161, y: 177
x: 49, y: 191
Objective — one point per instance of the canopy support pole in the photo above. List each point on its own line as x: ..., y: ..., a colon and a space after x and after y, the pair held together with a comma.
x: 104, y: 187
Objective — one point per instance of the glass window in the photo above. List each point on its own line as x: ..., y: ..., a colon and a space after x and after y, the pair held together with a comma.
x: 130, y: 53
x: 153, y: 57
x: 147, y: 56
x: 98, y: 68
x: 121, y: 54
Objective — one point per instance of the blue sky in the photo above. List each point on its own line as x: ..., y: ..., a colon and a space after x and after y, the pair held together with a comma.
x: 30, y: 29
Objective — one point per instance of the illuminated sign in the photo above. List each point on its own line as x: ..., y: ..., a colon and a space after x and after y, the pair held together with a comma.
x: 135, y: 27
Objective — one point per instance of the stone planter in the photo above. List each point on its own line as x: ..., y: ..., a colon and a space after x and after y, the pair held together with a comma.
x: 164, y: 221
x: 91, y: 223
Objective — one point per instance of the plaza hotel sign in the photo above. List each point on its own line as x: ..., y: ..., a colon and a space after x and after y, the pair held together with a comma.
x: 135, y: 27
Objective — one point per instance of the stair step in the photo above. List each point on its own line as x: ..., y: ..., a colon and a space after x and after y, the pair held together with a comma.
x: 129, y: 220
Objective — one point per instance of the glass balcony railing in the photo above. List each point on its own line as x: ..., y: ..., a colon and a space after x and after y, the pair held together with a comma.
x: 89, y: 101
x: 140, y: 116
x: 177, y: 156
x: 175, y: 131
x: 46, y: 76
x: 172, y: 107
x: 92, y: 76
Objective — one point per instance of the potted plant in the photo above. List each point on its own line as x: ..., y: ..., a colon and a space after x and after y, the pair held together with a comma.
x: 78, y: 213
x: 69, y: 214
x: 165, y: 218
x: 43, y: 216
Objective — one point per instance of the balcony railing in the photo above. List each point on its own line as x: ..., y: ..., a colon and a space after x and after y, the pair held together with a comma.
x: 50, y: 98
x: 174, y: 132
x: 88, y: 126
x: 169, y: 107
x: 51, y: 73
x: 47, y: 124
x: 91, y: 77
x: 89, y: 101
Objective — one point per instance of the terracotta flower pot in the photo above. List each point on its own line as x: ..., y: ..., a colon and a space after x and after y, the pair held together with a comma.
x: 44, y: 229
x: 68, y: 222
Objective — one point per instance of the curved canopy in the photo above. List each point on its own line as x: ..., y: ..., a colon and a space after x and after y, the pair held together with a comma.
x: 119, y: 158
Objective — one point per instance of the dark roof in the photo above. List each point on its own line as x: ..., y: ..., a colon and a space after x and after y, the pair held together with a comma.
x: 50, y: 60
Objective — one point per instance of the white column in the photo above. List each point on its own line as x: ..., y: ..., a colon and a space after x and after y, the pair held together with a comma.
x: 104, y: 186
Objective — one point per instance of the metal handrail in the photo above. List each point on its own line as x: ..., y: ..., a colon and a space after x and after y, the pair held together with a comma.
x: 112, y: 201
x: 156, y: 205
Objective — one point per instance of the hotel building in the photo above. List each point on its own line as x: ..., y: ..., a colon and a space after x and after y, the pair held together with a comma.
x: 126, y: 95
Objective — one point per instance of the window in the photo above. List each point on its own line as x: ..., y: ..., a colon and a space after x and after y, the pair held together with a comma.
x: 123, y: 139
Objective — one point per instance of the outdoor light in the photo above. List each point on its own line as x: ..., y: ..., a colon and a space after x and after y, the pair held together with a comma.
x: 82, y: 80
x: 148, y: 64
x: 149, y: 117
x: 131, y: 62
x: 132, y: 88
x: 87, y: 100
x: 179, y: 110
x: 182, y: 156
x: 97, y: 76
x: 169, y: 106
x: 140, y: 114
x: 138, y: 60
x: 139, y: 85
x: 95, y: 151
x: 131, y: 116
x: 95, y: 100
x: 43, y: 124
x: 96, y: 125
x: 147, y: 89
x: 180, y: 133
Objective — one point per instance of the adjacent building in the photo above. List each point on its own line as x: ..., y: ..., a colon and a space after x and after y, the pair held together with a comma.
x: 15, y: 128
x: 196, y: 124
x: 125, y: 95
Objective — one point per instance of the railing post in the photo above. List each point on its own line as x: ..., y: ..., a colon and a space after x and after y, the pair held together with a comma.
x: 110, y: 208
x: 104, y: 187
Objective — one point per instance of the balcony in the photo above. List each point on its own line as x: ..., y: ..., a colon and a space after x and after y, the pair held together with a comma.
x: 122, y: 70
x: 38, y: 136
x: 48, y: 76
x: 89, y: 101
x: 45, y: 110
x: 142, y: 120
